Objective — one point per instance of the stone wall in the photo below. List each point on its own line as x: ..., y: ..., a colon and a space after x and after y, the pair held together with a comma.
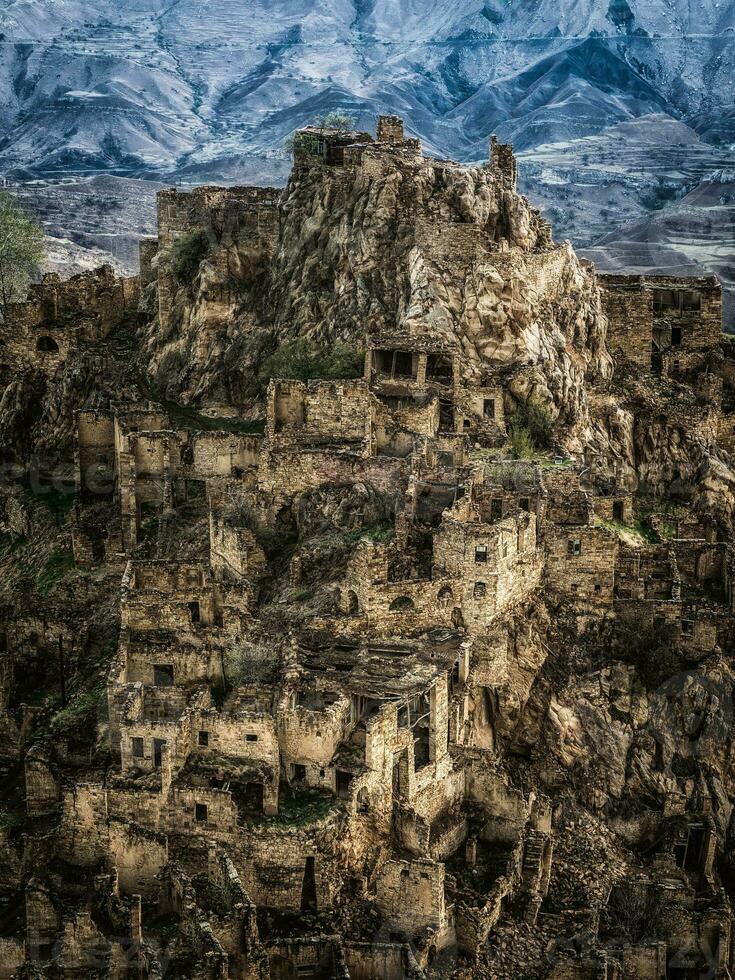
x: 247, y: 214
x: 652, y: 317
x: 138, y: 855
x: 580, y: 566
x: 305, y: 469
x: 62, y: 315
x: 317, y: 412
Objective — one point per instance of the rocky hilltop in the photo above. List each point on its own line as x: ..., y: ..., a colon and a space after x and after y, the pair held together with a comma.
x: 366, y: 603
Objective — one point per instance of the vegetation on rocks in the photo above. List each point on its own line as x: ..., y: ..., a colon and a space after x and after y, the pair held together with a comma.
x: 187, y: 254
x: 303, y: 360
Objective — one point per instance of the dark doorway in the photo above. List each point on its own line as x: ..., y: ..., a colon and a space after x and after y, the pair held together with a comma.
x: 343, y: 784
x: 158, y: 744
x: 308, y: 889
x: 618, y: 510
x: 163, y: 675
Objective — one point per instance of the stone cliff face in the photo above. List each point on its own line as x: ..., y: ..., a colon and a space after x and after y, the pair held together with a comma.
x: 407, y: 245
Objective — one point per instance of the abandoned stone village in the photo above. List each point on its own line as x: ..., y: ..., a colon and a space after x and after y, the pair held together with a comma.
x: 367, y: 594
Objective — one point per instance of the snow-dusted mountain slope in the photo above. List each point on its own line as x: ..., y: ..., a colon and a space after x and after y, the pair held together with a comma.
x: 143, y: 86
x: 619, y: 108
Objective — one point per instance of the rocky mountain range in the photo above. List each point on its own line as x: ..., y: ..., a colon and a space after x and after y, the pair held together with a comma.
x: 620, y: 109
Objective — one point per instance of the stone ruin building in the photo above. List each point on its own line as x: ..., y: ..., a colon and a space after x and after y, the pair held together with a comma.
x: 340, y: 675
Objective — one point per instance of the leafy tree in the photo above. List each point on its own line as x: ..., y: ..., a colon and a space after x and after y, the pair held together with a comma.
x: 536, y: 419
x: 520, y: 442
x: 339, y: 120
x: 21, y: 250
x: 530, y: 429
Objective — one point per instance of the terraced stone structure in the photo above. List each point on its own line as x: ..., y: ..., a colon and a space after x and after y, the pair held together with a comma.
x: 376, y: 619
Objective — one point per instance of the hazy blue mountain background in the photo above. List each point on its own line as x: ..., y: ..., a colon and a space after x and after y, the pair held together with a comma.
x: 622, y: 111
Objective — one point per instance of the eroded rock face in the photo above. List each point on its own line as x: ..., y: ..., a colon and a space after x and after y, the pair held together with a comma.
x: 341, y: 508
x: 626, y: 741
x: 417, y: 246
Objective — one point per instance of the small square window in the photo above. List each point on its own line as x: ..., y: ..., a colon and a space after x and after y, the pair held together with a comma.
x: 298, y: 773
x: 138, y: 748
x: 251, y: 738
x: 200, y: 812
x: 598, y: 587
x: 204, y: 738
x: 480, y: 554
x: 575, y: 586
x: 575, y: 546
x: 479, y: 590
x: 163, y: 675
x: 488, y: 408
x: 687, y: 627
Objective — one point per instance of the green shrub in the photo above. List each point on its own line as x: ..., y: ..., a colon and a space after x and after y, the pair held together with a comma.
x: 381, y: 534
x: 520, y: 443
x: 58, y: 565
x: 302, y: 360
x: 536, y: 419
x: 79, y: 713
x: 246, y: 662
x: 186, y: 256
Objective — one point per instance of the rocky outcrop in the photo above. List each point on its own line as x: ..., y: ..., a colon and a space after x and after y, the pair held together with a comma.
x: 409, y: 246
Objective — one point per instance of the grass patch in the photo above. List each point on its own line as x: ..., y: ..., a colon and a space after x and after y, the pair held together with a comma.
x: 378, y: 535
x: 635, y: 534
x: 79, y: 713
x: 58, y: 565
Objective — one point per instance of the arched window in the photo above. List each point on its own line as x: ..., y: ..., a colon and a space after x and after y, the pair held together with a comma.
x: 444, y: 595
x: 401, y: 604
x: 47, y: 345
